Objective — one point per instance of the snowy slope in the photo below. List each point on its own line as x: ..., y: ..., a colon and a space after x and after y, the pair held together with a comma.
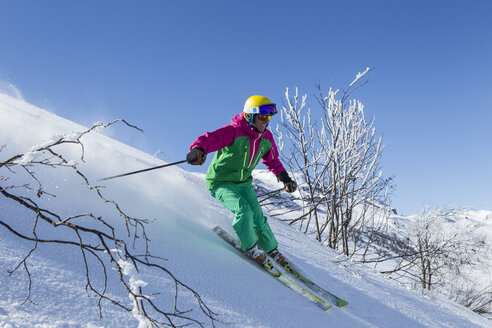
x: 242, y: 294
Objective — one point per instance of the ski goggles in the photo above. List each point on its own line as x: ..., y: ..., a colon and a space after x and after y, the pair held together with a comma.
x: 264, y: 117
x: 263, y: 110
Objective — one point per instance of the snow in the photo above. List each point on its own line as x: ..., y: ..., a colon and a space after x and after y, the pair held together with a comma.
x: 182, y: 214
x: 359, y: 76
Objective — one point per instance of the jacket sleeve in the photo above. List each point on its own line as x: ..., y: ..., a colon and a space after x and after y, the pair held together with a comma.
x: 213, y: 141
x: 271, y: 160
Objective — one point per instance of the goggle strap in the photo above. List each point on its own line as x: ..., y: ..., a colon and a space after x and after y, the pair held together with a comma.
x: 252, y: 110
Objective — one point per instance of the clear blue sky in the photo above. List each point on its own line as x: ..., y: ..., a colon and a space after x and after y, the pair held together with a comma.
x: 180, y: 68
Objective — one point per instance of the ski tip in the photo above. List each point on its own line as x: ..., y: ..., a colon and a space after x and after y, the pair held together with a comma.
x: 324, y: 306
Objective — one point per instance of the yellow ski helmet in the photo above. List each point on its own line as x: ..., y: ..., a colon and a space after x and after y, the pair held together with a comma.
x: 256, y: 101
x: 259, y: 105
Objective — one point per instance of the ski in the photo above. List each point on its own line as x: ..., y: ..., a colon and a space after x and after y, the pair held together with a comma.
x: 337, y: 301
x: 274, y: 272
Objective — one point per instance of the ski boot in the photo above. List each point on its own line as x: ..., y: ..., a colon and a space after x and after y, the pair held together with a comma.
x: 257, y: 254
x: 277, y: 257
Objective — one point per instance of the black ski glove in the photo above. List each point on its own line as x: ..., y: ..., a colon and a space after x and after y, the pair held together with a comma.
x: 290, y: 185
x: 196, y: 156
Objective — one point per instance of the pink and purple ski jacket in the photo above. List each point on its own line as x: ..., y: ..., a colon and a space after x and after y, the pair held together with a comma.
x: 238, y: 148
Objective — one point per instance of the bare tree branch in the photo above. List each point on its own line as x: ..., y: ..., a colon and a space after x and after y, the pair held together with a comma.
x: 93, y: 235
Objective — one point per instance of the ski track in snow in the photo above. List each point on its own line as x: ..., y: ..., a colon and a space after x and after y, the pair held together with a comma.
x: 184, y: 213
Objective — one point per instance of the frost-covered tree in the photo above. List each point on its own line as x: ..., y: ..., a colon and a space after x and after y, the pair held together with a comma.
x: 433, y: 254
x: 338, y: 159
x: 435, y: 250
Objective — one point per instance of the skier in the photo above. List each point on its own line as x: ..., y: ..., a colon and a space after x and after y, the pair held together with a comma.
x: 239, y: 147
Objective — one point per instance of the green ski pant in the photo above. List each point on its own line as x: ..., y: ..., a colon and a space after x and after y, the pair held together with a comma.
x: 250, y: 224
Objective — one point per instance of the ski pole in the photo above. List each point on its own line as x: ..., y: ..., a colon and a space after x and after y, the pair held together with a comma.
x: 144, y: 170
